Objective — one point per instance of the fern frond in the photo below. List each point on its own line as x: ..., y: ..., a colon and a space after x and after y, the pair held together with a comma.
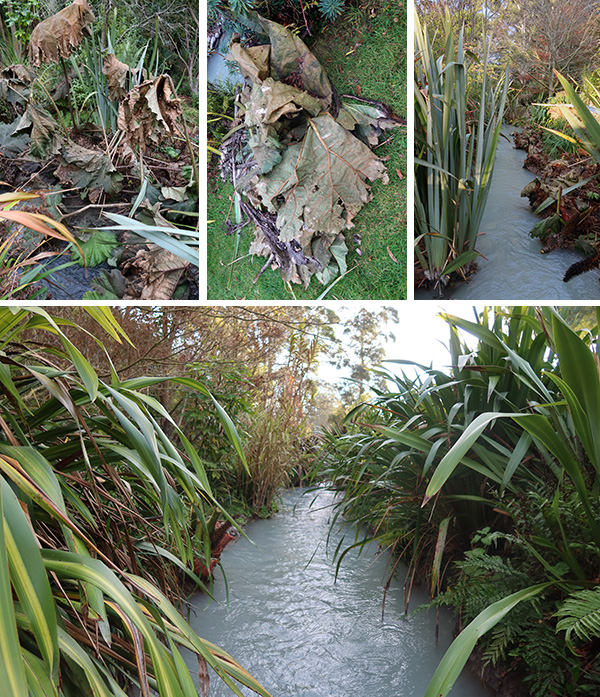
x: 580, y: 615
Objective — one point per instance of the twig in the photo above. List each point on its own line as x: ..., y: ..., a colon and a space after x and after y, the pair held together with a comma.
x: 93, y: 205
x: 264, y: 268
x: 304, y: 17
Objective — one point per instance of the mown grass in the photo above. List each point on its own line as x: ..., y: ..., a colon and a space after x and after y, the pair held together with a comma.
x: 364, y: 53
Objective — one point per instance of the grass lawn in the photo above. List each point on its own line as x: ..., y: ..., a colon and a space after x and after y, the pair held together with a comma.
x: 364, y: 53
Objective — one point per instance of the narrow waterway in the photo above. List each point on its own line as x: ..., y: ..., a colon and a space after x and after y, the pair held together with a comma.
x: 301, y: 633
x: 514, y: 268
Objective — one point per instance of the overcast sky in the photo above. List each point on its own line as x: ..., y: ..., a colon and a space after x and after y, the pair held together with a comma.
x: 421, y: 336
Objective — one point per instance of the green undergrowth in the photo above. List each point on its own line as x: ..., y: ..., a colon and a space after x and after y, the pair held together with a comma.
x: 364, y: 53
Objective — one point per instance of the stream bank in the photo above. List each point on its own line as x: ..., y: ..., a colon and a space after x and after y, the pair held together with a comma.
x: 301, y: 632
x: 512, y: 266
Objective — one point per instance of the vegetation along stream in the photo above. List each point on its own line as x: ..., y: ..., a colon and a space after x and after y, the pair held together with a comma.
x: 303, y: 633
x: 511, y: 264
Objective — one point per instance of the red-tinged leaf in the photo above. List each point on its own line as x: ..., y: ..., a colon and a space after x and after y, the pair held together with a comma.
x: 358, y: 90
x: 339, y: 68
x: 399, y: 173
x: 392, y: 257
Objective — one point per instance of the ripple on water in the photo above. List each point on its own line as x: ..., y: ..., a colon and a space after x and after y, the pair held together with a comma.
x: 512, y: 266
x: 303, y: 634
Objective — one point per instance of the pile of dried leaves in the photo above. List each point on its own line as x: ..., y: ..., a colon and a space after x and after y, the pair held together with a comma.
x: 300, y: 159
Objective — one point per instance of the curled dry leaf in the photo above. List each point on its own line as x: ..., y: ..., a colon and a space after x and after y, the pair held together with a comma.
x: 367, y: 119
x: 15, y: 81
x: 160, y: 271
x: 57, y: 36
x: 148, y: 108
x: 116, y: 77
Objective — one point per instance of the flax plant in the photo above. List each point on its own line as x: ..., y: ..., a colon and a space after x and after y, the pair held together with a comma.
x: 457, y: 128
x: 99, y: 509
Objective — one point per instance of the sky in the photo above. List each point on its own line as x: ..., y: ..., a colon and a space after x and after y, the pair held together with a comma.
x: 421, y: 336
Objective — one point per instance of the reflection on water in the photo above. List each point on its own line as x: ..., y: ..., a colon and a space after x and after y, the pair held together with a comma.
x: 514, y: 268
x: 303, y: 634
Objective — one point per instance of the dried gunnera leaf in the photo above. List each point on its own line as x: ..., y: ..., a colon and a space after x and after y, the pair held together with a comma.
x: 12, y: 145
x: 253, y: 62
x: 160, y: 271
x: 87, y: 169
x: 269, y: 107
x: 116, y: 77
x: 148, y: 108
x: 15, y: 81
x: 57, y: 36
x: 322, y: 180
x: 291, y: 58
x: 46, y: 136
x: 366, y: 120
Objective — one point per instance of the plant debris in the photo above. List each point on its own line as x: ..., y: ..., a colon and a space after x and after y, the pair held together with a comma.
x: 141, y: 164
x: 565, y: 193
x: 57, y: 36
x: 299, y: 158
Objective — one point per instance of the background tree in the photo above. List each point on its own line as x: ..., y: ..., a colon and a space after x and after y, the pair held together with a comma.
x: 365, y: 335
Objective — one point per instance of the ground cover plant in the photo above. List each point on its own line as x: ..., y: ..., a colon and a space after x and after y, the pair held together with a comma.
x: 378, y: 259
x: 102, y: 515
x: 484, y: 480
x: 95, y: 122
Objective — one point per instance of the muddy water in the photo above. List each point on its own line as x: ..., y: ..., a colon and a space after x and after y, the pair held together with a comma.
x: 301, y: 633
x: 514, y: 268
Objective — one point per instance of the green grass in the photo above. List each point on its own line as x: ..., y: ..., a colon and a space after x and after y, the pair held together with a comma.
x: 378, y: 66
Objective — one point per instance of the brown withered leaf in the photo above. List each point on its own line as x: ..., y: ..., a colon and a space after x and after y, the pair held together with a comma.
x: 160, y: 271
x: 46, y: 136
x: 87, y: 169
x: 253, y: 61
x: 116, y: 77
x: 321, y: 182
x: 203, y: 676
x: 146, y: 109
x: 57, y: 36
x: 15, y: 81
x: 367, y: 121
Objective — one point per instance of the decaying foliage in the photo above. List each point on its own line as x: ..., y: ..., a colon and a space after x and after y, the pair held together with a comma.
x: 15, y: 84
x: 46, y: 137
x: 57, y: 36
x: 147, y: 109
x: 303, y: 161
x: 87, y: 169
x: 116, y: 73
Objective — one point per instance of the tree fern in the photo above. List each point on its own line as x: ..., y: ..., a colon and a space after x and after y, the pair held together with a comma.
x: 580, y: 615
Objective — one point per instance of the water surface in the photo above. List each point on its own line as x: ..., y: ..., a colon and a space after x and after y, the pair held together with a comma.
x: 514, y: 268
x: 301, y: 633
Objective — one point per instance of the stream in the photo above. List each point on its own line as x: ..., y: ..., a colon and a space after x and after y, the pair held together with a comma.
x: 301, y: 633
x: 514, y: 268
